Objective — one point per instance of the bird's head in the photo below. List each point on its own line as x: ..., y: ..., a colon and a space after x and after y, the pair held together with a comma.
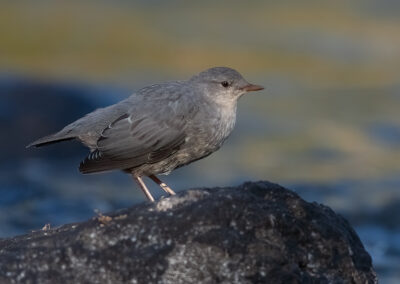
x: 223, y: 83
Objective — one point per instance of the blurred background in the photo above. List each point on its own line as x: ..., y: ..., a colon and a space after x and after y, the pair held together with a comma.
x: 327, y: 124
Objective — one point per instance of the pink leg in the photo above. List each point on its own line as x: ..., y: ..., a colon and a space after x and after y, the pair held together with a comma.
x: 143, y: 187
x: 164, y: 186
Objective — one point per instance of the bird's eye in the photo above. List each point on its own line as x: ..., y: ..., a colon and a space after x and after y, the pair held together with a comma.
x: 225, y: 84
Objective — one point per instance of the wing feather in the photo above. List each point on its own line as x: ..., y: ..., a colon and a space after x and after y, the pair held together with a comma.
x: 140, y: 136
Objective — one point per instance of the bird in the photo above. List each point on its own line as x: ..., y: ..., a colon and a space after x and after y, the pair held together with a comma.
x: 159, y: 128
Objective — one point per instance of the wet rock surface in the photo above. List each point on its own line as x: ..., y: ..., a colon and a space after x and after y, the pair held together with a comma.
x: 255, y: 233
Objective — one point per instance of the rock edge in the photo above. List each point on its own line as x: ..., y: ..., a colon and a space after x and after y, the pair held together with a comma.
x: 258, y: 232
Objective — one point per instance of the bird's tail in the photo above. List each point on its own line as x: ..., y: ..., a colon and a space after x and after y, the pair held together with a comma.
x: 50, y: 139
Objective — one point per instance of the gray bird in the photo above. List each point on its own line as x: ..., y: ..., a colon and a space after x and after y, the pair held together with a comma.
x: 160, y: 127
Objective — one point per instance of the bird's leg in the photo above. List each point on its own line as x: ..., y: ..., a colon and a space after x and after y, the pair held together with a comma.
x: 143, y: 187
x: 163, y: 185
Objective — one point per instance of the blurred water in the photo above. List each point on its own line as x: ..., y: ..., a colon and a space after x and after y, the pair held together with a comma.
x: 327, y: 125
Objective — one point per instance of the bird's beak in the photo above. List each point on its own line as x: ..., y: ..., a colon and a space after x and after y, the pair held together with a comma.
x: 252, y: 88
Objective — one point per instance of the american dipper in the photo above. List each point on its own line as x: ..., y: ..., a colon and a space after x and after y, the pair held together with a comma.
x: 160, y: 127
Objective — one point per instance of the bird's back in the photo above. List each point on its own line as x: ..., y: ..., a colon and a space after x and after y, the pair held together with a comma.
x: 88, y: 129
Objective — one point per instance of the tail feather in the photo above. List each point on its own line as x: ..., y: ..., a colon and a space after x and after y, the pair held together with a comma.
x: 50, y: 139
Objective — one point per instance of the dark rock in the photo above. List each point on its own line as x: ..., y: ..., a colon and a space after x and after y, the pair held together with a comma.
x: 254, y: 233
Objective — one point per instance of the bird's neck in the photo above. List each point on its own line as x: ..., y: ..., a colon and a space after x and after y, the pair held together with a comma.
x: 222, y: 118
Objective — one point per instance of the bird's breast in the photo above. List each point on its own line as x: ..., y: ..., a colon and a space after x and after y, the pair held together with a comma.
x: 224, y: 123
x: 212, y: 127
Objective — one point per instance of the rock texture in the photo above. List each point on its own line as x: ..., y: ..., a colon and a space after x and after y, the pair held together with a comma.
x: 254, y: 233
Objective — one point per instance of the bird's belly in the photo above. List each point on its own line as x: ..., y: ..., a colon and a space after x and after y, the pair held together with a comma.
x: 194, y: 148
x: 201, y: 140
x: 167, y: 165
x: 199, y: 146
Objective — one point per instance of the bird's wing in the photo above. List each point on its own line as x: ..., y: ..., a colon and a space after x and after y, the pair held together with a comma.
x: 147, y: 133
